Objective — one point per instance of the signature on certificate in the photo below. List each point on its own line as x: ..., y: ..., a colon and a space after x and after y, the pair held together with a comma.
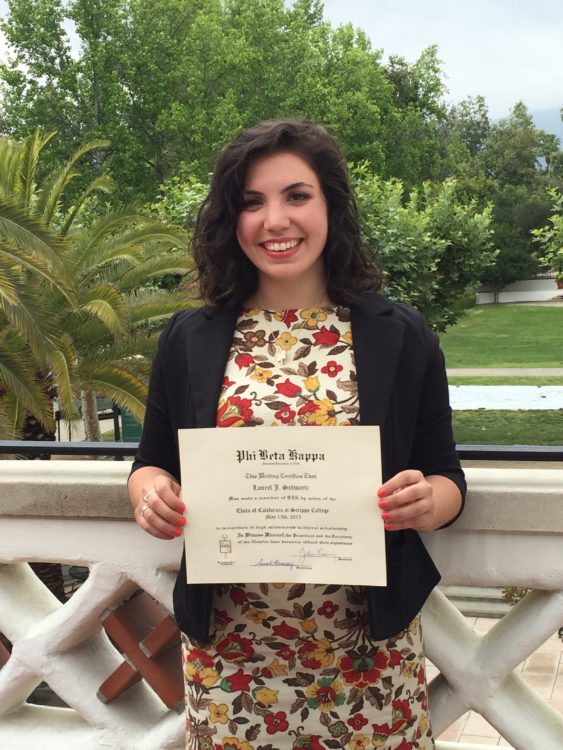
x: 280, y: 564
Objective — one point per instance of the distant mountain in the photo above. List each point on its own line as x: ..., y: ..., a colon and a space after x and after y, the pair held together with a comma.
x: 550, y: 121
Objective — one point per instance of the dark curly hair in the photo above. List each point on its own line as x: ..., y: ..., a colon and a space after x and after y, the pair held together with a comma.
x: 224, y: 273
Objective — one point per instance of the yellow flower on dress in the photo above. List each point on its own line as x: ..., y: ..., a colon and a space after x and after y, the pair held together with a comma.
x: 250, y: 313
x: 359, y: 742
x: 423, y: 724
x: 409, y: 669
x: 261, y: 375
x: 265, y: 696
x: 206, y: 676
x: 309, y: 626
x: 256, y: 615
x: 218, y: 714
x: 286, y: 341
x: 413, y: 627
x: 324, y: 414
x: 277, y: 668
x: 231, y: 743
x: 323, y: 651
x: 278, y: 585
x: 347, y: 337
x: 313, y: 316
x: 312, y: 384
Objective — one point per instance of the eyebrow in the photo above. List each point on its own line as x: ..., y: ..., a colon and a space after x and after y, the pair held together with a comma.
x: 285, y: 190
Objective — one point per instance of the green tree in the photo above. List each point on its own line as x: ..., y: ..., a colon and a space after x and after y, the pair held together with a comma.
x: 96, y: 332
x: 431, y: 247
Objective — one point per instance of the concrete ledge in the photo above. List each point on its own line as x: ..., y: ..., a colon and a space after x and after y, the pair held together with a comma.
x: 499, y: 499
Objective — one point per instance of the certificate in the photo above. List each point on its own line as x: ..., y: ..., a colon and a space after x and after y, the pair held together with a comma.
x: 295, y: 504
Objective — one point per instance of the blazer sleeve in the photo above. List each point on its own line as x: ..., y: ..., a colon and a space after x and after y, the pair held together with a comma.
x: 158, y: 445
x: 433, y: 448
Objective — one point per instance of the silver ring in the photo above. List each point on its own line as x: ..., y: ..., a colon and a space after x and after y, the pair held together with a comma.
x: 143, y: 509
x: 149, y: 493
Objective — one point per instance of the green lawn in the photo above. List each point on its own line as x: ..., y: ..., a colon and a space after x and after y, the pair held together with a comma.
x: 523, y: 427
x: 505, y: 380
x: 506, y: 336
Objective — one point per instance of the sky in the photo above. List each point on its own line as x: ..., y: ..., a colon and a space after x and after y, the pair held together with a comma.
x: 504, y: 50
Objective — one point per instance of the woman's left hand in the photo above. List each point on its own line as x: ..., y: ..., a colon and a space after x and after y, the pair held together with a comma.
x: 407, y: 502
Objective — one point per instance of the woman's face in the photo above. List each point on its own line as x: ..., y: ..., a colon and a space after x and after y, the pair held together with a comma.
x: 283, y: 225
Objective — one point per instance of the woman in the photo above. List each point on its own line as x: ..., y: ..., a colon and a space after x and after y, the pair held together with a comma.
x: 294, y: 332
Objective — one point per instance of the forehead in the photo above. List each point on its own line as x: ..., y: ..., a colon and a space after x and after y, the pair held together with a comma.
x: 279, y: 169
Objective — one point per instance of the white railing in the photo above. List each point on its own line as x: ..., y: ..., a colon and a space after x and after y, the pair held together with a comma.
x: 76, y: 512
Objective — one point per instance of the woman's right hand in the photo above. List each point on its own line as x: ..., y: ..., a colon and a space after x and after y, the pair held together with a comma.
x: 160, y: 509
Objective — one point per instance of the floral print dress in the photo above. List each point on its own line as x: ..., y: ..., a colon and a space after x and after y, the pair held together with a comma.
x: 293, y: 666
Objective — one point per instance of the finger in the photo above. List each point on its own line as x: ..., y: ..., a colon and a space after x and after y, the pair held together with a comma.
x: 397, y: 482
x: 150, y: 520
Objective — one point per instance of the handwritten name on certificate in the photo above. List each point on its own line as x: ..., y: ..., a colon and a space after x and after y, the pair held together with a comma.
x: 285, y: 504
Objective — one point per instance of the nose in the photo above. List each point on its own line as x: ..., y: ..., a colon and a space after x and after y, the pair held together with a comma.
x: 275, y: 216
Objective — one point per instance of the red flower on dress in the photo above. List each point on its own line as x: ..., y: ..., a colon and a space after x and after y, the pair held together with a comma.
x: 285, y: 653
x: 324, y: 337
x: 221, y: 618
x: 238, y: 595
x: 234, y: 648
x: 254, y: 338
x: 234, y: 412
x: 276, y: 722
x: 421, y: 675
x: 357, y: 722
x: 395, y: 657
x: 289, y: 317
x: 227, y: 383
x: 308, y: 742
x: 244, y: 360
x: 285, y: 414
x: 328, y: 609
x: 305, y: 657
x: 285, y: 631
x: 332, y: 369
x: 307, y: 408
x: 362, y: 670
x: 287, y: 388
x: 236, y: 682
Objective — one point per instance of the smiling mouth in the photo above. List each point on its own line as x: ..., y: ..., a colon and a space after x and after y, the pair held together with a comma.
x: 280, y: 247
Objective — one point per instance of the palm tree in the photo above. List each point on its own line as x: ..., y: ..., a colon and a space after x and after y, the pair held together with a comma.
x: 79, y: 299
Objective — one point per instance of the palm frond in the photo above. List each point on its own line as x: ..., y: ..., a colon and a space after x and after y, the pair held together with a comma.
x: 12, y: 417
x: 164, y: 264
x: 52, y: 193
x: 103, y: 183
x: 22, y: 235
x: 10, y: 155
x: 105, y: 313
x: 116, y: 383
x: 114, y: 221
x: 19, y: 377
x: 30, y: 151
x: 156, y: 307
x: 62, y: 359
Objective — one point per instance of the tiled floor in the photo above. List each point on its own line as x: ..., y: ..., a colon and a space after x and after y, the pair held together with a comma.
x: 543, y: 671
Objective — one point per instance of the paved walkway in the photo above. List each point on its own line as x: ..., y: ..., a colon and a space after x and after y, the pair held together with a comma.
x: 543, y: 671
x: 512, y: 397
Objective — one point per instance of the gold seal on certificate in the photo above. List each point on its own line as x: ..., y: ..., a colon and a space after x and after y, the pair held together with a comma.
x: 288, y: 504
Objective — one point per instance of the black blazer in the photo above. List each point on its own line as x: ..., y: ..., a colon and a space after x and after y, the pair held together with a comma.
x: 402, y: 388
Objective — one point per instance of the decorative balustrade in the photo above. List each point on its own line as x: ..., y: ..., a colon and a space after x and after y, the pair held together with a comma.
x: 77, y: 513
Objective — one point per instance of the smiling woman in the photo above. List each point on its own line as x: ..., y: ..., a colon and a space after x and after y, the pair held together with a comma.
x: 295, y: 333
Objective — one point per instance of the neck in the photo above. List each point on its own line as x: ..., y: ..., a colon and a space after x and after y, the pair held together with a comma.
x: 289, y: 296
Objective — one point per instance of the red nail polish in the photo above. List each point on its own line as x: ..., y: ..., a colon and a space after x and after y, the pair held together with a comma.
x: 182, y: 508
x: 382, y: 504
x: 177, y: 532
x: 388, y: 527
x: 386, y: 516
x: 181, y: 522
x: 381, y: 492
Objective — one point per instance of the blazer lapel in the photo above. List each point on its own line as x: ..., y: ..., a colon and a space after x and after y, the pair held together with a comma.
x: 378, y: 340
x: 208, y: 346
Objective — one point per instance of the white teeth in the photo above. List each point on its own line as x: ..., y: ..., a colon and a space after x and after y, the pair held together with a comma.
x: 280, y: 246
